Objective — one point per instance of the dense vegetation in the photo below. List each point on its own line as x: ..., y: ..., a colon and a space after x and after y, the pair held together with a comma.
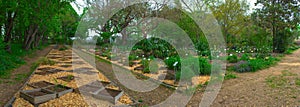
x: 30, y: 25
x: 254, y: 38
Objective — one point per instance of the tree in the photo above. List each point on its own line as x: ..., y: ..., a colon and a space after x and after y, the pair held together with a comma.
x: 232, y: 17
x: 280, y: 17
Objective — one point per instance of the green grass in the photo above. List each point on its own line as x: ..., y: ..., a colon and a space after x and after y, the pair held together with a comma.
x: 276, y: 81
x: 283, y: 80
x: 10, y: 61
x: 297, y: 82
x: 230, y: 75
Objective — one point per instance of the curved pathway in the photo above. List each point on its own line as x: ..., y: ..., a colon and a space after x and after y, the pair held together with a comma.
x: 276, y: 86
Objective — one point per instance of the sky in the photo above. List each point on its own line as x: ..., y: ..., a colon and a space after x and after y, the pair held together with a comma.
x: 81, y: 2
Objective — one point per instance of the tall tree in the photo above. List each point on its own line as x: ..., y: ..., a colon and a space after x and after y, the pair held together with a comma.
x: 280, y: 17
x: 232, y: 17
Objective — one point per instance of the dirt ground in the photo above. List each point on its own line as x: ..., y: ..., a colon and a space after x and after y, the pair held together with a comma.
x: 10, y: 86
x: 275, y: 86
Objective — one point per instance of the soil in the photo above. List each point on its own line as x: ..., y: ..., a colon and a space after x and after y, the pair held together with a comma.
x: 65, y: 66
x: 40, y: 84
x: 37, y: 93
x: 155, y: 96
x: 253, y: 89
x: 45, y: 69
x: 67, y: 78
x: 57, y: 88
x: 88, y: 88
x: 10, y: 86
x: 110, y: 92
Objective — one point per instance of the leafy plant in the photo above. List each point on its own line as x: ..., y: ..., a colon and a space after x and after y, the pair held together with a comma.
x: 230, y: 76
x: 45, y: 61
x: 205, y: 66
x: 145, y: 64
x: 245, y: 57
x: 153, y: 67
x: 62, y: 48
x: 170, y: 61
x: 232, y: 59
x: 242, y: 66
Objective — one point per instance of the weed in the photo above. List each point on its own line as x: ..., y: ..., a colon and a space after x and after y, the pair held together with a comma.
x: 297, y: 82
x: 230, y: 76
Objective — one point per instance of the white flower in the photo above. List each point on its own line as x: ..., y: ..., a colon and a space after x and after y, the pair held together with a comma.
x: 186, y: 54
x: 149, y: 59
x: 175, y: 64
x: 137, y: 56
x: 230, y: 55
x: 167, y: 58
x: 144, y: 58
x: 143, y: 55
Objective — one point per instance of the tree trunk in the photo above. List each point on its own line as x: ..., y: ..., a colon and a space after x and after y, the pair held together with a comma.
x: 8, y: 30
x: 124, y: 37
x: 30, y: 37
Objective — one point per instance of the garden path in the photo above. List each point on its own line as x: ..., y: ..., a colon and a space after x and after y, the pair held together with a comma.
x: 277, y: 86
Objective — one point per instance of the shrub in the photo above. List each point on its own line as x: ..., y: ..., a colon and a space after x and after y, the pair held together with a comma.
x: 45, y: 61
x: 170, y: 62
x: 153, y: 66
x: 187, y: 73
x: 145, y: 64
x: 255, y: 64
x: 245, y: 57
x: 232, y: 59
x: 63, y: 48
x: 205, y: 66
x: 259, y: 64
x: 242, y: 66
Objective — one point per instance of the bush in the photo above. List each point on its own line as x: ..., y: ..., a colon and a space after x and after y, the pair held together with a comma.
x: 153, y: 66
x: 245, y: 57
x: 45, y: 61
x: 186, y: 74
x: 232, y: 59
x: 145, y: 64
x: 242, y: 66
x: 170, y: 62
x: 230, y: 76
x: 205, y: 66
x: 63, y: 48
x: 255, y: 64
x: 259, y: 64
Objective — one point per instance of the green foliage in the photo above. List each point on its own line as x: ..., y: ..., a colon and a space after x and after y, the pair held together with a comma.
x: 186, y: 74
x: 259, y: 64
x: 255, y: 64
x: 153, y: 66
x: 170, y: 61
x: 292, y: 48
x: 63, y: 48
x: 205, y: 66
x: 242, y: 66
x: 45, y: 61
x: 230, y: 76
x: 232, y: 59
x: 245, y: 57
x: 145, y: 64
x: 9, y: 61
x: 297, y: 82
